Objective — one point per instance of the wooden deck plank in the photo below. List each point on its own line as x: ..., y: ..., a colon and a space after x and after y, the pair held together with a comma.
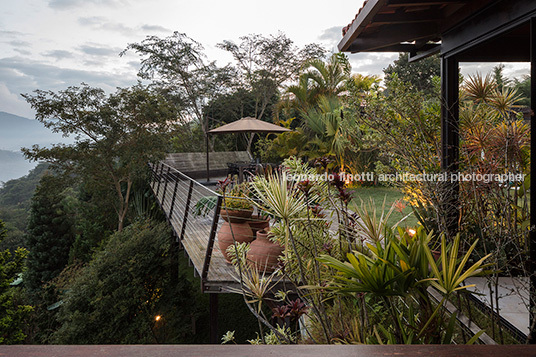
x: 279, y: 350
x: 220, y: 275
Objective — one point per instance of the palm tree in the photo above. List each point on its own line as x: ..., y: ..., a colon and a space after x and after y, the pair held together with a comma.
x: 329, y: 78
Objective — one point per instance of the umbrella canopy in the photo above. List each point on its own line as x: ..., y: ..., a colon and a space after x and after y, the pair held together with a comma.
x: 245, y: 125
x: 249, y: 125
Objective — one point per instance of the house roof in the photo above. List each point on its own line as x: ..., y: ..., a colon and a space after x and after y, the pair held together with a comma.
x: 405, y: 25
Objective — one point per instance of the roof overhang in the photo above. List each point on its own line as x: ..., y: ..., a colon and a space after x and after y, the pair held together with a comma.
x: 413, y: 26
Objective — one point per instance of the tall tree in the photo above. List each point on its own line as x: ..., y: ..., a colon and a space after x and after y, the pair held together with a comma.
x: 419, y: 74
x: 179, y: 64
x: 115, y: 136
x: 50, y: 233
x: 329, y: 78
x: 12, y: 315
x: 265, y: 63
x: 116, y: 297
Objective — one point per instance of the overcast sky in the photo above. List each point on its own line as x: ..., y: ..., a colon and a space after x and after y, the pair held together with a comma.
x: 52, y: 44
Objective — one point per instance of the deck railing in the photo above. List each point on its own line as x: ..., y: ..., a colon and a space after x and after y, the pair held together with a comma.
x: 177, y: 194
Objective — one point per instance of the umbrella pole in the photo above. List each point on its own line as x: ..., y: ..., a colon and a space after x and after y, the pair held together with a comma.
x: 208, y: 169
x: 250, y: 141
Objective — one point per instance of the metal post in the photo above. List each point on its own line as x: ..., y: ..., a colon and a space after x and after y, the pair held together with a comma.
x: 210, y: 245
x: 159, y: 177
x: 186, y: 209
x: 174, y: 259
x: 151, y: 176
x: 214, y: 337
x: 173, y: 198
x: 165, y: 189
x: 450, y: 139
x: 532, y: 233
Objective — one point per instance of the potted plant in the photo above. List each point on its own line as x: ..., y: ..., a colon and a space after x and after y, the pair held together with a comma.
x: 235, y: 210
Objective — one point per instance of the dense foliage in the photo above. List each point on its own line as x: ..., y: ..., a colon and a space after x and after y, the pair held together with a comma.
x: 119, y: 295
x: 15, y: 201
x: 12, y: 313
x: 50, y: 233
x: 419, y: 74
x: 116, y: 136
x: 102, y: 266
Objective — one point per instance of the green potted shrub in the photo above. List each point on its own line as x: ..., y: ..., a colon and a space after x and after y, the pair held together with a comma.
x: 236, y: 209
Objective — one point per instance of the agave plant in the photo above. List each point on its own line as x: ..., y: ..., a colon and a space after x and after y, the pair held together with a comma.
x: 478, y: 89
x: 403, y: 268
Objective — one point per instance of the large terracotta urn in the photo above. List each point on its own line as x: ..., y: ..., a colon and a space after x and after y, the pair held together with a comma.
x: 263, y: 253
x: 259, y: 222
x: 241, y: 231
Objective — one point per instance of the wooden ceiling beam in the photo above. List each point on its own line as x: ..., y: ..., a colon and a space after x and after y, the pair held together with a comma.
x: 392, y: 35
x: 408, y: 18
x: 411, y: 3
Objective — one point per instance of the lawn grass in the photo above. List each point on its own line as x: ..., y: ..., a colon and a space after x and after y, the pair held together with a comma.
x: 390, y: 195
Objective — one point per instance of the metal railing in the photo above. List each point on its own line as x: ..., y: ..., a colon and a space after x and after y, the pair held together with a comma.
x: 179, y: 195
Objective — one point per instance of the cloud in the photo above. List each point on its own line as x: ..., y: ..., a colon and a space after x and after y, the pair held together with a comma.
x: 97, y: 50
x: 371, y: 63
x: 22, y: 75
x: 19, y: 43
x: 91, y: 21
x: 58, y: 54
x: 101, y: 23
x: 511, y: 70
x: 68, y: 4
x: 13, y: 103
x: 5, y: 33
x: 332, y: 34
x: 22, y: 52
x: 154, y: 28
x: 25, y: 74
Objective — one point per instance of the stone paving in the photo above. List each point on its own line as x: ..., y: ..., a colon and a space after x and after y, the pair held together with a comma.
x: 513, y: 299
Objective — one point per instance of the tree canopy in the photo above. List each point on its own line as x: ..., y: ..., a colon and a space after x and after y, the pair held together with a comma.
x: 115, y: 136
x: 50, y: 233
x: 116, y: 298
x: 12, y: 315
x: 419, y: 74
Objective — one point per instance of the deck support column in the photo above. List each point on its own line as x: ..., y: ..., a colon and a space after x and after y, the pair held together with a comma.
x: 450, y: 141
x: 532, y: 234
x: 214, y: 336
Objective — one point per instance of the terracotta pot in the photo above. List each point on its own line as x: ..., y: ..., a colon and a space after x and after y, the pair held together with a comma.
x: 242, y: 233
x: 235, y: 216
x: 263, y: 253
x: 259, y: 223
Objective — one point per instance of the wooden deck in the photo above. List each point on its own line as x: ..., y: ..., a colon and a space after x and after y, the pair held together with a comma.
x: 178, y: 194
x: 280, y: 350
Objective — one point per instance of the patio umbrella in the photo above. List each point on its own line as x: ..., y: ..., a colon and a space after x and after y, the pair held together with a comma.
x: 246, y: 125
x: 249, y: 125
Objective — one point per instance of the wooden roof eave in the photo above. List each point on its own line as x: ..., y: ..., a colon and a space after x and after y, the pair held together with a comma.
x: 390, y: 36
x: 367, y: 13
x: 377, y: 28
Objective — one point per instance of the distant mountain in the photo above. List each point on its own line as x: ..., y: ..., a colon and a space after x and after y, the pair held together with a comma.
x: 17, y: 132
x: 13, y: 165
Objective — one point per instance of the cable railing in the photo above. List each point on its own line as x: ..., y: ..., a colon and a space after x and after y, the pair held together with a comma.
x: 178, y: 196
